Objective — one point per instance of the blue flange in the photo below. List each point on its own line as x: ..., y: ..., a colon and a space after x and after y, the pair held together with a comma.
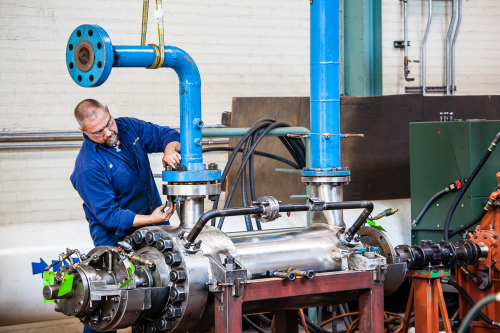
x: 326, y: 172
x: 191, y: 176
x: 89, y: 55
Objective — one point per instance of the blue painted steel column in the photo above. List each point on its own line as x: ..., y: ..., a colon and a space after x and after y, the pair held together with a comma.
x: 189, y: 93
x: 325, y: 83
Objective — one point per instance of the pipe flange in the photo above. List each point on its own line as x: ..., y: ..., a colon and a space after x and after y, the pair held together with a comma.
x: 271, y: 209
x: 192, y: 189
x: 328, y: 180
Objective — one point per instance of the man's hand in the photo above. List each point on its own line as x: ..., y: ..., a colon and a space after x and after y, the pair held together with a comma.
x: 158, y: 216
x: 172, y: 156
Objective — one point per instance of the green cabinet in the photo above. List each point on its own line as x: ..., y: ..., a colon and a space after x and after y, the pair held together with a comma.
x: 441, y: 153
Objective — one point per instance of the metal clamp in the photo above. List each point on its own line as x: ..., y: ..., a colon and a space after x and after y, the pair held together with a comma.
x: 271, y: 209
x: 326, y: 135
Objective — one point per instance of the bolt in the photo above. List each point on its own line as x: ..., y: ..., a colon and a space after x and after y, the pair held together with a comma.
x: 438, y: 225
x: 495, y: 236
x: 173, y: 311
x: 178, y: 294
x: 495, y: 244
x: 342, y: 230
x: 168, y: 168
x: 494, y: 261
x: 485, y: 236
x: 462, y: 205
x: 164, y: 324
x: 178, y: 276
x: 475, y: 236
x: 116, y: 299
x: 152, y: 237
x: 173, y: 258
x: 357, y: 238
x: 181, y: 234
x: 95, y: 258
x: 164, y: 245
x: 151, y: 327
x: 81, y: 302
x: 213, y: 166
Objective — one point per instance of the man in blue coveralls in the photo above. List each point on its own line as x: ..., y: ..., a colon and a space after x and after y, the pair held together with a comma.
x: 113, y: 176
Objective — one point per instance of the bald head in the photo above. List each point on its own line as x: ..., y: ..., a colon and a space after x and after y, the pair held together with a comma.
x: 88, y: 109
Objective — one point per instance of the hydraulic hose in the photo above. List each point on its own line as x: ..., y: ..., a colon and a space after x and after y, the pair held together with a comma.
x: 467, y: 184
x: 470, y: 224
x: 253, y: 325
x: 260, y: 153
x: 259, y: 209
x: 315, y: 327
x: 431, y: 200
x: 477, y: 309
x: 470, y: 301
x: 244, y: 192
x: 252, y: 135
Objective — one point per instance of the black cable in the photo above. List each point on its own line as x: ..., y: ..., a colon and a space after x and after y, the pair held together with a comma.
x: 257, y: 126
x: 467, y: 184
x: 470, y: 224
x: 311, y: 324
x: 431, y: 200
x: 468, y: 299
x: 252, y: 183
x: 243, y: 164
x: 244, y: 198
x: 264, y: 319
x: 260, y: 153
x: 253, y: 325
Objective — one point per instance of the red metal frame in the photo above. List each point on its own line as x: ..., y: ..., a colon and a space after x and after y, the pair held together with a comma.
x: 228, y: 312
x: 426, y: 296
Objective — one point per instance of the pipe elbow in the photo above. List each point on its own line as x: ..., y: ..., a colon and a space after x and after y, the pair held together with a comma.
x: 185, y: 67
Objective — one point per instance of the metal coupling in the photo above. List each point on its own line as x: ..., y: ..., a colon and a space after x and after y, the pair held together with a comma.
x: 493, y: 145
x: 290, y: 276
x: 271, y: 209
x: 310, y: 274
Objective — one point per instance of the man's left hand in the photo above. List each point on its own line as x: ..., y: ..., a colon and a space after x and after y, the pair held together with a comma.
x: 172, y: 156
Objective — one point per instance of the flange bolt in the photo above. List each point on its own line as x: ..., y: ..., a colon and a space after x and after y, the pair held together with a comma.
x: 173, y: 311
x: 178, y: 276
x: 164, y: 245
x: 173, y: 258
x: 178, y: 294
x: 152, y: 237
x: 164, y: 323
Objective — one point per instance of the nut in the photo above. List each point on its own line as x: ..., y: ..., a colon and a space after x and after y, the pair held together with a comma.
x: 152, y: 237
x: 178, y: 294
x: 173, y: 311
x: 178, y: 276
x: 173, y: 258
x: 163, y: 323
x: 164, y: 245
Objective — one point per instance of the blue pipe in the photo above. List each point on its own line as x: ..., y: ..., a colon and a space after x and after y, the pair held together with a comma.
x: 189, y: 93
x: 107, y: 56
x: 325, y: 83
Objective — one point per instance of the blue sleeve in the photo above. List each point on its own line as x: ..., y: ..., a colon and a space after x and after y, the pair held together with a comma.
x: 98, y: 195
x: 154, y: 137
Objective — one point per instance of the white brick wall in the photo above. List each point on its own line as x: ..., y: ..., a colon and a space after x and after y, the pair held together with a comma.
x: 477, y: 47
x: 242, y: 48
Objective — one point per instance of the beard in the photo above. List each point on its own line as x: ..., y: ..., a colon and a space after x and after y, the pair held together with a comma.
x: 111, y: 140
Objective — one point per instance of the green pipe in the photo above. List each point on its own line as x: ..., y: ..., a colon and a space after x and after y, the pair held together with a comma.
x: 299, y: 196
x: 288, y: 170
x: 235, y: 132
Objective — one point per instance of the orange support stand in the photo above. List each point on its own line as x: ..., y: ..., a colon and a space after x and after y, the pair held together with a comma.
x: 426, y: 297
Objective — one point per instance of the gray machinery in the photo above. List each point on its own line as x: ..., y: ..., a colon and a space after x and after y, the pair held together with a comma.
x: 172, y: 278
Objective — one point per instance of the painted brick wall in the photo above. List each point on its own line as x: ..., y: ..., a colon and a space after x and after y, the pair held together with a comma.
x: 477, y: 47
x: 242, y: 48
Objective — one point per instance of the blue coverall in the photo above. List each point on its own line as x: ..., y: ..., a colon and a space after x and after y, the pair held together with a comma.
x: 114, y: 191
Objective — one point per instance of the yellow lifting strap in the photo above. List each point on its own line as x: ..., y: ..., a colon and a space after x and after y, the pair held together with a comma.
x: 159, y: 52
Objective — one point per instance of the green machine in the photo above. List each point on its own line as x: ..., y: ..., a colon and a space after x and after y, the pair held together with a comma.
x: 440, y: 154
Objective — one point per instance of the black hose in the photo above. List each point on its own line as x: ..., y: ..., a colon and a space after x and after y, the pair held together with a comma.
x: 244, y: 198
x: 470, y: 224
x: 464, y: 327
x: 260, y: 153
x: 427, y: 205
x: 252, y: 183
x: 466, y: 186
x: 253, y: 325
x: 264, y: 319
x: 243, y: 164
x: 315, y: 327
x: 202, y: 221
x: 468, y: 299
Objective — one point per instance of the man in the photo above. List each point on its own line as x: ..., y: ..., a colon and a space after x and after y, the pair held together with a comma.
x: 112, y: 172
x: 113, y: 176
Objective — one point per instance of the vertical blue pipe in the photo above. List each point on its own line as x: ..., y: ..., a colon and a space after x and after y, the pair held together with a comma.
x: 189, y: 93
x: 325, y: 83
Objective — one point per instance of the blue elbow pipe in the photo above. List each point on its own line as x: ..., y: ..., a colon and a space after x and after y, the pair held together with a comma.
x: 90, y: 56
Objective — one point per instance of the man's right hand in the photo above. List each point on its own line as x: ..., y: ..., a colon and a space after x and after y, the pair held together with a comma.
x: 159, y: 216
